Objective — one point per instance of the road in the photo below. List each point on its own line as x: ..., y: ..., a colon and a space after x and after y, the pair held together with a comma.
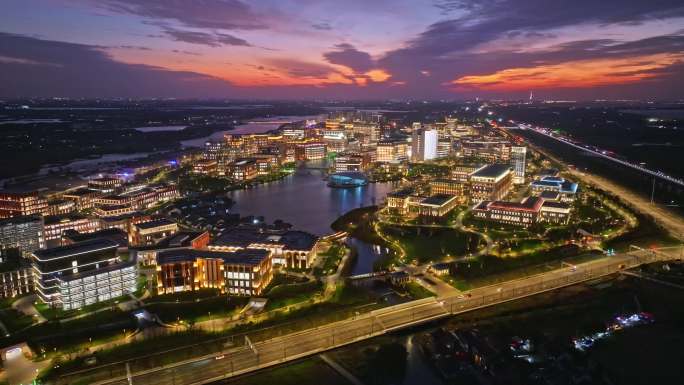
x: 603, y: 154
x: 261, y: 354
x: 673, y: 223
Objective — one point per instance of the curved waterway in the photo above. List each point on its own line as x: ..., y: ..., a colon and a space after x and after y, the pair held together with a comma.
x: 304, y: 200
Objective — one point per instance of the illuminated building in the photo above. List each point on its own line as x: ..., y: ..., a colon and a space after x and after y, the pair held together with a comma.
x: 437, y: 206
x: 424, y: 145
x: 84, y: 198
x: 450, y: 187
x: 290, y: 248
x: 392, y: 151
x: 347, y: 179
x: 183, y: 239
x: 105, y: 184
x: 149, y: 233
x: 14, y: 204
x: 398, y: 202
x: 239, y: 272
x: 491, y: 151
x: 135, y: 199
x: 310, y: 151
x: 243, y: 169
x: 523, y: 214
x: 81, y: 274
x: 292, y: 134
x: 444, y: 147
x: 205, y: 166
x: 491, y: 182
x: 354, y: 161
x: 557, y: 213
x: 462, y: 173
x: 16, y: 276
x: 567, y: 190
x: 25, y: 234
x: 265, y: 163
x: 531, y: 210
x: 60, y: 207
x: 55, y: 225
x: 518, y: 163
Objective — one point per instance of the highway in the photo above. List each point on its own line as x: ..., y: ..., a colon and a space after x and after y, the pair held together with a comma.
x: 261, y: 354
x: 604, y: 155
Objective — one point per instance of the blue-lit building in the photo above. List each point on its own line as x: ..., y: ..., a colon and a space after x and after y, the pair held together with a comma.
x: 347, y: 179
x: 566, y: 190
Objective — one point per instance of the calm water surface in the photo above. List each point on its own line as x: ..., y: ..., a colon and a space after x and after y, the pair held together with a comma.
x: 304, y: 200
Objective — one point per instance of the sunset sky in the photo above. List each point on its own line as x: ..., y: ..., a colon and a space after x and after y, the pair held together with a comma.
x: 351, y: 49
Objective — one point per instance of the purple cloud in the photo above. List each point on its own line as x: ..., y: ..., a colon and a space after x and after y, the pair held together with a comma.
x: 217, y: 14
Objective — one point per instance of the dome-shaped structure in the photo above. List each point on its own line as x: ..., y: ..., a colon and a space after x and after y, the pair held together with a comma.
x: 347, y: 179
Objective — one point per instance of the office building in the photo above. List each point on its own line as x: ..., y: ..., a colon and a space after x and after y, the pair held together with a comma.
x: 399, y: 201
x: 556, y: 213
x: 105, y: 185
x: 24, y: 234
x: 437, y: 206
x: 15, y: 204
x: 444, y: 147
x: 81, y: 274
x: 205, y: 167
x: 149, y: 233
x: 450, y: 187
x: 294, y: 249
x: 523, y: 213
x: 16, y: 276
x: 567, y: 190
x: 239, y: 272
x: 391, y: 151
x: 529, y: 211
x: 55, y: 225
x: 243, y: 169
x: 491, y: 182
x: 310, y: 151
x: 424, y: 145
x: 518, y: 162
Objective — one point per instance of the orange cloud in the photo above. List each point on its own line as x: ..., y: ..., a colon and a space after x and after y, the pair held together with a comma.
x: 378, y: 75
x: 573, y: 74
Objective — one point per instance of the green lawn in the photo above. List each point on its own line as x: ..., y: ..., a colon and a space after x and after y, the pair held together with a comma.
x: 14, y: 320
x: 285, y: 295
x: 489, y: 269
x: 332, y: 258
x: 425, y: 244
x: 198, y: 310
x: 416, y: 291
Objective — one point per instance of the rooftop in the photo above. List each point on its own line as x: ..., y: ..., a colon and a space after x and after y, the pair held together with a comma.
x: 557, y: 205
x: 20, y: 220
x: 83, y: 247
x: 438, y: 199
x: 154, y: 223
x: 492, y: 171
x: 113, y: 234
x: 245, y: 236
x: 401, y: 193
x: 242, y: 256
x: 532, y: 204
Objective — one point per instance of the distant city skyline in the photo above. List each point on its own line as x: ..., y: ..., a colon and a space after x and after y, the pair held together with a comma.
x: 305, y: 49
